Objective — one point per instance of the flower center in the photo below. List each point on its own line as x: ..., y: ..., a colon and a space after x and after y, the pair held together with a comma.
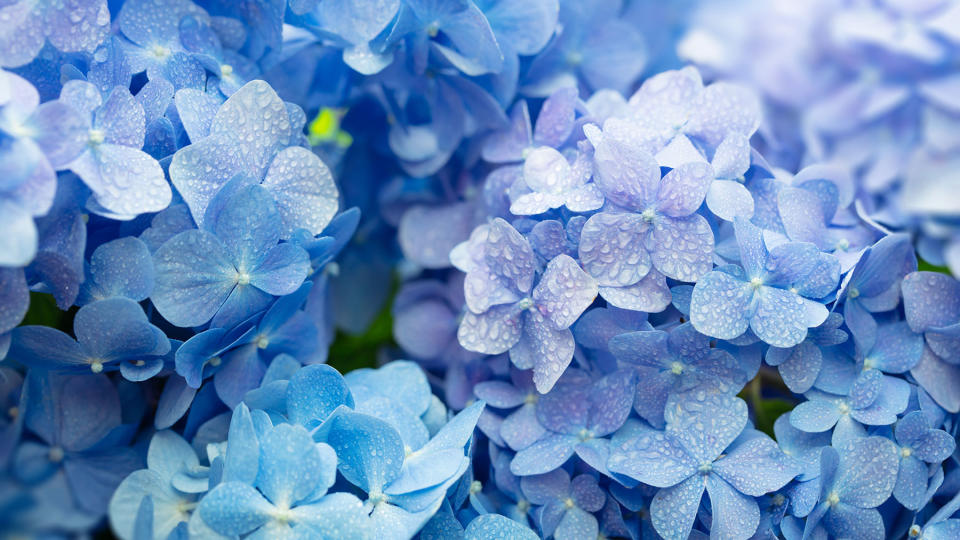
x: 852, y: 292
x: 13, y: 412
x: 525, y: 304
x: 585, y: 434
x: 843, y: 245
x: 648, y: 215
x: 96, y: 366
x: 706, y: 467
x: 574, y: 58
x: 844, y: 408
x: 243, y: 278
x: 56, y: 454
x: 160, y: 51
x: 475, y: 487
x: 95, y: 136
x: 914, y: 531
x: 756, y: 283
x: 530, y: 399
x: 263, y: 342
x: 226, y: 70
x: 833, y: 498
x: 676, y: 368
x: 569, y: 503
x: 433, y: 29
x: 906, y: 452
x: 215, y: 361
x: 523, y: 505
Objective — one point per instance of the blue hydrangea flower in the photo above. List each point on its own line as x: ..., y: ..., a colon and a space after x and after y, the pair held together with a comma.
x: 75, y: 419
x: 919, y: 445
x: 662, y: 229
x: 167, y: 481
x: 125, y: 181
x: 111, y: 334
x: 873, y: 399
x: 252, y: 136
x: 800, y: 365
x: 154, y: 45
x: 507, y: 313
x: 566, y: 506
x: 520, y: 427
x: 288, y: 495
x: 766, y: 294
x: 232, y: 268
x: 577, y: 414
x: 872, y: 286
x: 702, y: 448
x: 853, y: 482
x: 674, y: 362
x: 931, y: 302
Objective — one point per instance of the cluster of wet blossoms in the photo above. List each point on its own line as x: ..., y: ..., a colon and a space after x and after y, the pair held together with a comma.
x: 474, y: 269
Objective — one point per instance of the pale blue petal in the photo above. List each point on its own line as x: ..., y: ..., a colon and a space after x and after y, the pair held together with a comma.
x: 291, y: 466
x: 868, y: 472
x: 674, y: 509
x: 303, y: 188
x: 653, y: 457
x: 564, y: 292
x: 719, y: 419
x: 234, y: 508
x: 314, y: 393
x: 719, y: 306
x: 815, y: 415
x: 682, y: 189
x: 682, y: 248
x: 734, y: 515
x: 370, y: 452
x: 497, y: 527
x: 544, y: 455
x: 611, y: 248
x: 194, y: 278
x: 756, y: 467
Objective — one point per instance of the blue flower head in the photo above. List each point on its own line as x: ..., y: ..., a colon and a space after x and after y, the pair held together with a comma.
x: 508, y: 313
x: 704, y: 447
x: 766, y: 294
x: 230, y: 269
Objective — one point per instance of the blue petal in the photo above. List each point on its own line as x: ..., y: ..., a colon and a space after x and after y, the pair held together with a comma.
x: 719, y: 306
x: 14, y: 298
x: 683, y: 189
x: 682, y: 248
x: 122, y: 267
x: 721, y: 416
x: 194, y: 278
x: 898, y: 349
x: 234, y: 508
x: 674, y: 509
x: 314, y: 393
x: 546, y: 349
x: 564, y: 291
x: 196, y: 109
x: 930, y: 299
x: 868, y: 472
x: 121, y: 118
x: 653, y: 457
x: 125, y: 181
x: 544, y: 455
x: 486, y: 526
x: 911, y: 483
x: 304, y: 190
x: 338, y: 515
x: 723, y: 108
x: 242, y: 457
x: 756, y: 467
x: 848, y: 521
x: 575, y: 524
x: 782, y: 317
x: 291, y: 466
x: 611, y: 248
x: 495, y: 331
x: 370, y: 452
x: 815, y: 415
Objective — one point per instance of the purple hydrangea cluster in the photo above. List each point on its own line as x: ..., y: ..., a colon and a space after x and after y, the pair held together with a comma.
x: 479, y: 269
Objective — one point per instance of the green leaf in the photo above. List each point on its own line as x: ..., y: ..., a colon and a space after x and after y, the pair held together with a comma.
x: 355, y: 351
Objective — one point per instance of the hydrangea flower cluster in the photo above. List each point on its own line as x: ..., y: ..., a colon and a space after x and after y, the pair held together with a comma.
x: 635, y: 269
x: 610, y: 296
